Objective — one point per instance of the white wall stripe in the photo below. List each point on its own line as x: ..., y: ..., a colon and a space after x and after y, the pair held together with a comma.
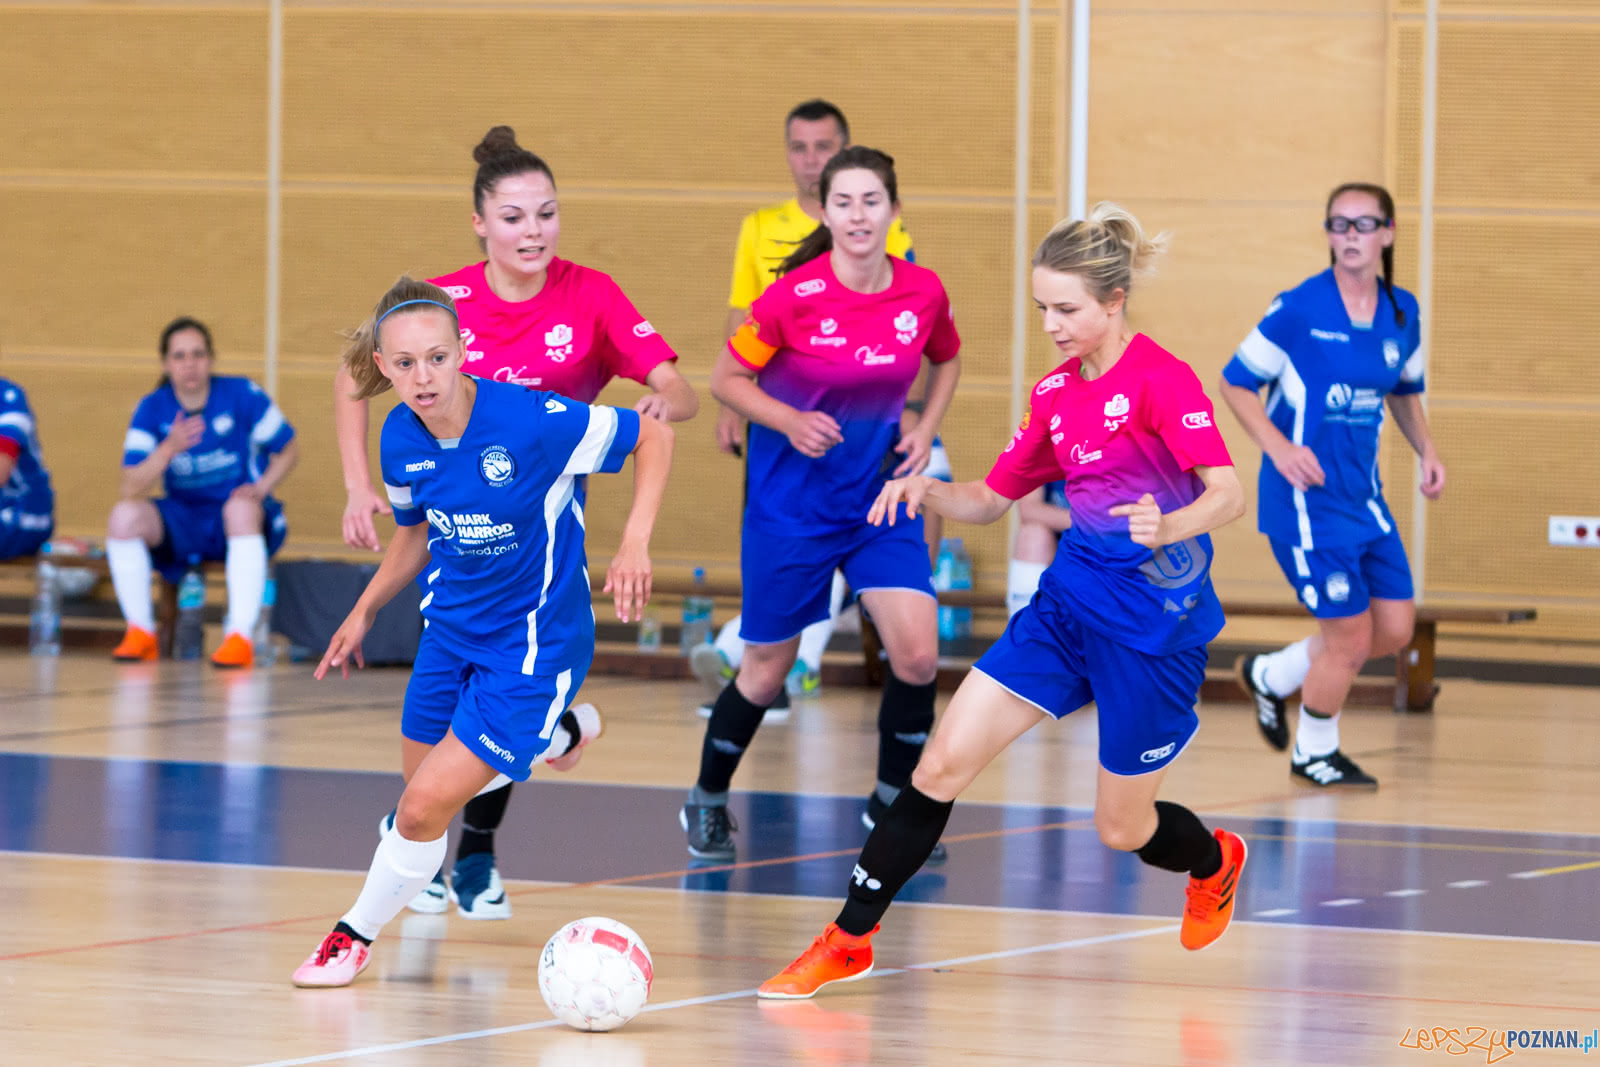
x: 269, y: 343
x: 1430, y: 129
x: 1020, y: 241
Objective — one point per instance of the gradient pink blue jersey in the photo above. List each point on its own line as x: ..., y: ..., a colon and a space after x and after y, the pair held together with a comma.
x: 577, y: 334
x: 818, y: 346
x: 1142, y: 427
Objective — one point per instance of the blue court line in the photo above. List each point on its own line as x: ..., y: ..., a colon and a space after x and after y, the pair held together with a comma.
x: 1390, y: 877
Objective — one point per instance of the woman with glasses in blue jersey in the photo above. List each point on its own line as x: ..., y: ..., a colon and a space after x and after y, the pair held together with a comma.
x: 1332, y: 353
x: 481, y: 476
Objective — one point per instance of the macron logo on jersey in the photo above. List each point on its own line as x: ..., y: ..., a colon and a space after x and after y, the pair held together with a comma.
x: 552, y: 405
x: 421, y: 465
x: 483, y: 739
x: 810, y: 288
x: 1330, y: 335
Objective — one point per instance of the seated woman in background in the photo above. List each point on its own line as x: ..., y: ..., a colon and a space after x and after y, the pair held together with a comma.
x: 27, y: 504
x: 219, y: 445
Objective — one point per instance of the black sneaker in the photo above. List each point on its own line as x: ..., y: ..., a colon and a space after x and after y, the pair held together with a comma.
x: 710, y: 830
x: 1271, y: 715
x: 1334, y: 769
x: 876, y: 808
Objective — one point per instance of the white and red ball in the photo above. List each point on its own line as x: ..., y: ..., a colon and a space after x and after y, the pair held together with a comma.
x: 595, y: 974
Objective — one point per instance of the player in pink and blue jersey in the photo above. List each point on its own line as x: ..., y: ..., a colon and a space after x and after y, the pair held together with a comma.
x: 532, y: 319
x: 1121, y: 618
x: 1332, y: 353
x: 821, y: 369
x: 482, y: 478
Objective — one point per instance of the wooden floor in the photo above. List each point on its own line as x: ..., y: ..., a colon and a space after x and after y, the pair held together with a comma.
x: 114, y: 948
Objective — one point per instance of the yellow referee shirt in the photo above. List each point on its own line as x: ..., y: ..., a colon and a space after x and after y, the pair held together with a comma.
x: 768, y: 235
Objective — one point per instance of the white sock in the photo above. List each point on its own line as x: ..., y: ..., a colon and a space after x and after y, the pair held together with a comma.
x: 246, y: 569
x: 129, y: 559
x: 1022, y: 581
x: 400, y: 869
x: 1315, y: 736
x: 814, y: 638
x: 1282, y: 672
x: 730, y: 644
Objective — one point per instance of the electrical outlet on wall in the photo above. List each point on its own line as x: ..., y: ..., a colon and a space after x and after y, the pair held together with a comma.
x: 1581, y: 531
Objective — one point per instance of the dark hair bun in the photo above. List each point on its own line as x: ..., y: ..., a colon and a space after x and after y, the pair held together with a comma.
x: 499, y: 142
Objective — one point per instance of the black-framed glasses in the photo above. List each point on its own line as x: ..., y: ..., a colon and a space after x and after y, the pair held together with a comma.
x: 1360, y: 224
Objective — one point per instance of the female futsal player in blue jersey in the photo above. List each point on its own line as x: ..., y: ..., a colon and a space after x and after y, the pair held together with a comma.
x: 481, y: 478
x: 1332, y: 351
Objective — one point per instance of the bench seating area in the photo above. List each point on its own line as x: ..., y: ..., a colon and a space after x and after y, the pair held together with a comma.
x: 1413, y: 688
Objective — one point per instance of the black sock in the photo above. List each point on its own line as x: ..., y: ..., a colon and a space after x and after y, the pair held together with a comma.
x: 1181, y: 843
x: 479, y: 820
x: 342, y: 927
x: 734, y: 721
x: 569, y: 723
x: 905, y: 717
x: 895, y: 850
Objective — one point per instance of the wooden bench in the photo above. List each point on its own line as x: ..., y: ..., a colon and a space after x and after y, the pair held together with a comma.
x: 1414, y: 686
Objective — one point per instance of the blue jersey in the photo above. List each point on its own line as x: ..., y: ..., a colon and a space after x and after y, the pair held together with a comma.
x: 26, y: 500
x: 1328, y: 379
x: 244, y: 428
x: 508, y: 585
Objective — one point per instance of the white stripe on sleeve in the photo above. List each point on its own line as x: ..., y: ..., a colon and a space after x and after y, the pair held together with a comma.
x: 1413, y: 370
x: 20, y: 419
x: 267, y: 426
x: 139, y: 441
x: 1265, y: 359
x: 399, y: 495
x: 591, y: 450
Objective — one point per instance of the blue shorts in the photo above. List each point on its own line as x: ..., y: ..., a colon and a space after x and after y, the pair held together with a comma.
x: 193, y: 533
x: 504, y: 717
x: 788, y: 579
x: 1338, y: 582
x: 1145, y: 702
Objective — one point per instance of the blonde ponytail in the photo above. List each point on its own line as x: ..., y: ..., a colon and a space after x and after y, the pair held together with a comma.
x: 362, y: 342
x: 1106, y: 249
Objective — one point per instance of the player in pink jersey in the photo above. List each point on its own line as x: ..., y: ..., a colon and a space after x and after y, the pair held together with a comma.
x: 1121, y: 618
x: 534, y: 320
x: 821, y: 369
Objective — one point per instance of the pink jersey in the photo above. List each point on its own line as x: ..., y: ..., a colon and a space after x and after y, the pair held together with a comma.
x: 573, y: 338
x: 1139, y: 428
x: 818, y: 346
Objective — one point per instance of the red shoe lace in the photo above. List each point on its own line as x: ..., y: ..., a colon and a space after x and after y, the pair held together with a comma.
x: 331, y: 946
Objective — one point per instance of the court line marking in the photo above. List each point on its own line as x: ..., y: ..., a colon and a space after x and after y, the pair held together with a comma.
x: 689, y: 1002
x: 1545, y: 872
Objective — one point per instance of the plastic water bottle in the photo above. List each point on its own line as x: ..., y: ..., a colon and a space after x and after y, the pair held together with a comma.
x: 189, y: 638
x: 649, y: 632
x: 961, y: 578
x: 943, y: 574
x: 44, y: 623
x: 265, y: 652
x: 696, y: 616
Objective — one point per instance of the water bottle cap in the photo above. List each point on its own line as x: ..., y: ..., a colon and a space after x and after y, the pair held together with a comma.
x: 699, y: 574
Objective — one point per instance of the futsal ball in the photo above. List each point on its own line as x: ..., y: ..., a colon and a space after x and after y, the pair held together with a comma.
x: 595, y: 974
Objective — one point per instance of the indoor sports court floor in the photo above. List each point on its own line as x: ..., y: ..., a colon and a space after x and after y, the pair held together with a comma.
x: 173, y: 841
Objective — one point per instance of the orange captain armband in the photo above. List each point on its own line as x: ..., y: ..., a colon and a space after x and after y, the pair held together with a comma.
x: 747, y: 345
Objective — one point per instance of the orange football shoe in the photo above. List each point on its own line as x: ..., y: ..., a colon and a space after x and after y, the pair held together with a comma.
x: 1210, y: 906
x: 235, y: 651
x: 835, y: 956
x: 138, y: 645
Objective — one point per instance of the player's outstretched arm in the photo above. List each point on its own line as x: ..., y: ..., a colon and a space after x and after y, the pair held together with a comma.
x: 972, y: 502
x: 1220, y: 504
x: 407, y: 555
x: 350, y: 430
x: 628, y: 579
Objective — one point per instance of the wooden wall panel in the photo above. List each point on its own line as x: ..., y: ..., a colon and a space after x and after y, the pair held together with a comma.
x: 102, y: 270
x: 133, y: 90
x: 684, y: 104
x: 1234, y: 107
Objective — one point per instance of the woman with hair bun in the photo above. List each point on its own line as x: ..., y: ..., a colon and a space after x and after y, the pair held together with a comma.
x: 1122, y: 616
x: 532, y: 319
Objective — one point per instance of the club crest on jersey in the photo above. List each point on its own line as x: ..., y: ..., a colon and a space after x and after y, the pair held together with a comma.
x: 459, y: 292
x: 1339, y: 396
x: 222, y: 424
x: 810, y: 288
x: 496, y: 465
x: 1116, y: 411
x: 1338, y: 587
x: 558, y: 342
x: 441, y: 522
x: 905, y: 327
x: 1391, y: 354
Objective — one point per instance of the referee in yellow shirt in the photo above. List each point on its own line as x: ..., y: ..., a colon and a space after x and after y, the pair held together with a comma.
x: 814, y: 132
